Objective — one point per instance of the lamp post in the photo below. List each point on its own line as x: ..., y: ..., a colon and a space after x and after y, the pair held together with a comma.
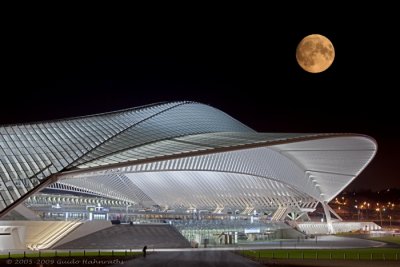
x: 390, y: 221
x: 358, y: 212
x: 380, y: 214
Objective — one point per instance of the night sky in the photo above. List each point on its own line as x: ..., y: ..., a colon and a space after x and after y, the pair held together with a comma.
x: 241, y: 61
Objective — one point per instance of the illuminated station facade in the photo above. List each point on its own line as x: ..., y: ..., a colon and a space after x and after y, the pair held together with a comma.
x: 181, y: 159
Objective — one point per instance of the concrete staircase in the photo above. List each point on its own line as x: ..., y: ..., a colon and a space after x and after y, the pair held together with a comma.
x: 86, y: 228
x: 126, y: 236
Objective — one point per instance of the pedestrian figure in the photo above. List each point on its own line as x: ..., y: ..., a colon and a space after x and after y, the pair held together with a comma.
x: 144, y: 251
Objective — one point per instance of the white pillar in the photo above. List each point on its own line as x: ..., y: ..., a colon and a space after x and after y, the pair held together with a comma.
x: 328, y: 217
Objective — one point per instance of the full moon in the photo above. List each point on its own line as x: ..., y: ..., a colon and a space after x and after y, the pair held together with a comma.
x: 315, y: 53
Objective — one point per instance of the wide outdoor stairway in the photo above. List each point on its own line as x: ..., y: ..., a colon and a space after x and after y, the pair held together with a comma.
x: 126, y: 236
x: 44, y: 234
x: 338, y: 227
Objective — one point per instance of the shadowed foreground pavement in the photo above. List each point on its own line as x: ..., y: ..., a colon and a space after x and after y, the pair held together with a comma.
x: 192, y: 259
x: 329, y: 263
x: 229, y: 259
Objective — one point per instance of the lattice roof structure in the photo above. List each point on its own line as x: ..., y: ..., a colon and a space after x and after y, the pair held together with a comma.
x: 177, y: 154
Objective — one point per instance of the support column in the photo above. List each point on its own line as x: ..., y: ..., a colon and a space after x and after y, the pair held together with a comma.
x: 328, y: 217
x: 334, y: 213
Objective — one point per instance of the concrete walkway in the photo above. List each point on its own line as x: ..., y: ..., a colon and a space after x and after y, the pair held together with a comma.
x: 329, y: 263
x: 192, y: 259
x: 325, y: 242
x: 225, y: 258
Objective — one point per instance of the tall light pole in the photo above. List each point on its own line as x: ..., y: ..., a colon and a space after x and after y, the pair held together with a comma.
x: 380, y: 214
x: 358, y: 212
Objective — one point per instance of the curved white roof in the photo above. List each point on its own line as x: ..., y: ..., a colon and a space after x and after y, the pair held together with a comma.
x: 177, y: 154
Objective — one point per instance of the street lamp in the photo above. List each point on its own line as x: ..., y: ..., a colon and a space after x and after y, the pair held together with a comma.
x: 390, y: 221
x: 358, y: 212
x: 380, y: 214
